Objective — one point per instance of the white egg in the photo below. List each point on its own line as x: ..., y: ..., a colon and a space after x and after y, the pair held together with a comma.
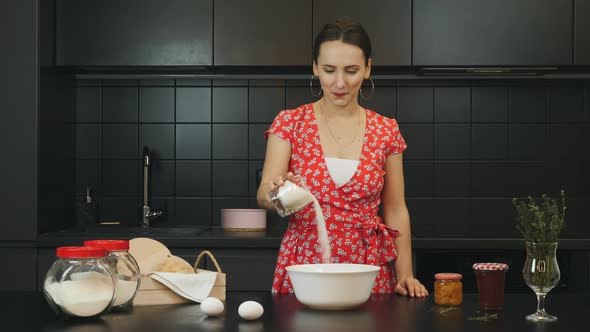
x: 212, y: 306
x: 250, y: 310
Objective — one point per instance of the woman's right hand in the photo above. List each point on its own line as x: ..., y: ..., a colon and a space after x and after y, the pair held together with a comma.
x: 280, y: 180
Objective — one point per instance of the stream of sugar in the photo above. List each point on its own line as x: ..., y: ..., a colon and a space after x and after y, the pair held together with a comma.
x: 322, y: 233
x: 293, y: 198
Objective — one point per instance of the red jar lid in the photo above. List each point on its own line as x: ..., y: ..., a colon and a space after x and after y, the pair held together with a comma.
x: 80, y: 252
x: 490, y: 266
x: 109, y: 244
x: 447, y: 276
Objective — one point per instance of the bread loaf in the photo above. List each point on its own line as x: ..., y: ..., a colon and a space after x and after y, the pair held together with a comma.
x: 175, y: 264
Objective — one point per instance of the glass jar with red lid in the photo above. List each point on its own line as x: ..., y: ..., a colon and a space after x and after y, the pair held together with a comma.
x: 80, y: 283
x: 124, y: 267
x: 448, y: 289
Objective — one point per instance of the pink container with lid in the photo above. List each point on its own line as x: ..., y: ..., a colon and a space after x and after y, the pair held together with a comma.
x: 243, y: 220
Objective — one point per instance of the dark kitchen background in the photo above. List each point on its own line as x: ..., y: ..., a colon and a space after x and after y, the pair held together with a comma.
x: 492, y: 108
x: 473, y: 146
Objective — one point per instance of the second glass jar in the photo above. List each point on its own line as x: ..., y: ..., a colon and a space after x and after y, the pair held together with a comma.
x: 124, y: 267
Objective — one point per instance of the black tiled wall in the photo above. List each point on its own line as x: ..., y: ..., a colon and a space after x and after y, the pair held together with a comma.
x: 473, y: 146
x: 206, y: 139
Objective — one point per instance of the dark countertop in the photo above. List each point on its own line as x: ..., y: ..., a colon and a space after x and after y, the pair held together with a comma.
x: 271, y: 238
x: 28, y: 311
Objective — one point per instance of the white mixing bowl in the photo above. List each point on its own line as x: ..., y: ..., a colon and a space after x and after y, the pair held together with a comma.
x: 332, y: 286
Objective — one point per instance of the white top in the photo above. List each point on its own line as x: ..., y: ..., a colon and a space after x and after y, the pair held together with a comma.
x: 341, y: 170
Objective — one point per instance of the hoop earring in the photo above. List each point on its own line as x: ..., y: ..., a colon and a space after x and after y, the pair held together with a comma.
x: 311, y: 87
x: 372, y: 90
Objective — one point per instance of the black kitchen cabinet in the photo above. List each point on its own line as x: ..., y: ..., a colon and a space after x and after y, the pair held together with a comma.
x: 20, y: 269
x: 246, y: 269
x: 18, y: 104
x: 501, y: 32
x: 262, y: 33
x: 46, y: 257
x: 581, y: 32
x: 388, y: 23
x: 134, y: 33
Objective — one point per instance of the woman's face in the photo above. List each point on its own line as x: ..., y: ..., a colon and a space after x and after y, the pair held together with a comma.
x: 341, y: 69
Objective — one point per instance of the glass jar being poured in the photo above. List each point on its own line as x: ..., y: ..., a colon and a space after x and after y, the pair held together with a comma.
x: 79, y: 283
x: 293, y: 195
x: 124, y: 267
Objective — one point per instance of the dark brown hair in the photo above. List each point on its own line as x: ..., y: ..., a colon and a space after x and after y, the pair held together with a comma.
x: 346, y: 30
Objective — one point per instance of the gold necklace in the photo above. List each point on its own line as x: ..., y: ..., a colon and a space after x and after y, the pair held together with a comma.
x: 334, y: 136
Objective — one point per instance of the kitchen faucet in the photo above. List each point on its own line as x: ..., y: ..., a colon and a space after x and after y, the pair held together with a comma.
x: 147, y: 214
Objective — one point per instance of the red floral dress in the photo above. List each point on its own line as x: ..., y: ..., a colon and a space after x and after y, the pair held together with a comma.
x: 356, y: 233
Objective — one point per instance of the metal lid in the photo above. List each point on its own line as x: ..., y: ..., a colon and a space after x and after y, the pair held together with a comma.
x: 448, y: 276
x: 490, y: 266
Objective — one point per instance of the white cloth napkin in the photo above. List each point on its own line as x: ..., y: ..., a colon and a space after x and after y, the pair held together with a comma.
x: 195, y: 287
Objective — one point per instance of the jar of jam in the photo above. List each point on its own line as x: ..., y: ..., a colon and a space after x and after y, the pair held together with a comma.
x: 448, y: 289
x: 490, y: 284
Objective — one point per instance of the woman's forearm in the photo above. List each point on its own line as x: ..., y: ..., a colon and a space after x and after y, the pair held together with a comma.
x: 403, y: 262
x: 278, y: 154
x: 400, y: 221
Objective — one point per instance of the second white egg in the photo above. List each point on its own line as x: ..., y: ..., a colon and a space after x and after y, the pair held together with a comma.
x: 250, y: 310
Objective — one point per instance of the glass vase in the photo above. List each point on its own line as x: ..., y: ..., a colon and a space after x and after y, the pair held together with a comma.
x: 541, y: 274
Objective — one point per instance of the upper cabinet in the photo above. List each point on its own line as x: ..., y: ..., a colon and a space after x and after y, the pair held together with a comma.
x: 499, y: 32
x: 388, y: 23
x: 582, y: 32
x: 134, y: 33
x: 262, y: 32
x: 281, y: 32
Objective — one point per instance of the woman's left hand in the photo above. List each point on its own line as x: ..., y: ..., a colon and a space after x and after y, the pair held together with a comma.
x: 412, y: 287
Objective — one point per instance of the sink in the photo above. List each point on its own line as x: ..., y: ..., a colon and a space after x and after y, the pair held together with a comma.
x: 131, y: 232
x: 174, y: 231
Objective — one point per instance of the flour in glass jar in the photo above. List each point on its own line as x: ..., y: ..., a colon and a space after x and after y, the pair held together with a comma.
x: 86, y: 294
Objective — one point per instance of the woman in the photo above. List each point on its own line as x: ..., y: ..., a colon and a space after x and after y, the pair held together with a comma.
x: 351, y: 159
